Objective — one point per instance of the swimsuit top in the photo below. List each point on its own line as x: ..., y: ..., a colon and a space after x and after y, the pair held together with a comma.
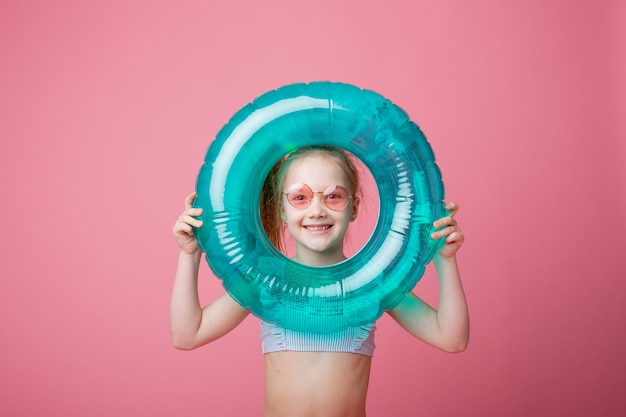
x: 355, y: 339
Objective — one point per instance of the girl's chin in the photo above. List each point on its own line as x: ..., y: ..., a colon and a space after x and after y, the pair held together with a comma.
x: 319, y: 256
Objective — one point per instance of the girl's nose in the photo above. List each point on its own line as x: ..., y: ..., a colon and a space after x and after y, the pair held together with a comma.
x: 317, y: 206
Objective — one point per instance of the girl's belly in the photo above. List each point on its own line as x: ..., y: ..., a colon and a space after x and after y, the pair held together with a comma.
x: 312, y: 384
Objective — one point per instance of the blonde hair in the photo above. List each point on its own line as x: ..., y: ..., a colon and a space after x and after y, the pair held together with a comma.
x: 271, y: 194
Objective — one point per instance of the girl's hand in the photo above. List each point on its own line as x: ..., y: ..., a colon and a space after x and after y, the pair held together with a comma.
x: 451, y: 231
x: 183, y: 228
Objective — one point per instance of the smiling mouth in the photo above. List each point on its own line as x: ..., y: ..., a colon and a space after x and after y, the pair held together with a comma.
x: 318, y: 228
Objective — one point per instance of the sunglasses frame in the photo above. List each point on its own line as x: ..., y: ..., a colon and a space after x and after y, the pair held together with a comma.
x: 323, y: 193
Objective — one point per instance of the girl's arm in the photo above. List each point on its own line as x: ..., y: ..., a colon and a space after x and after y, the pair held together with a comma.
x: 446, y: 328
x: 191, y: 325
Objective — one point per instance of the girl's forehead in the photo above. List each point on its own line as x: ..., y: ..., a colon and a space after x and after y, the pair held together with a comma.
x: 315, y: 170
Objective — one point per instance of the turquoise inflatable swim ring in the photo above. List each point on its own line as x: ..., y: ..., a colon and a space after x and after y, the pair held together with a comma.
x: 358, y: 290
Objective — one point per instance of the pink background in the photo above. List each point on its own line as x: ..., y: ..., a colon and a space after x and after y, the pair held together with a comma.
x: 106, y: 111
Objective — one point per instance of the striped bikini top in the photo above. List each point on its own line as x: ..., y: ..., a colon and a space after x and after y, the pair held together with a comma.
x: 355, y: 339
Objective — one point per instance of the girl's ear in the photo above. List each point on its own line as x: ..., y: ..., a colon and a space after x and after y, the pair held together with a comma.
x: 355, y: 208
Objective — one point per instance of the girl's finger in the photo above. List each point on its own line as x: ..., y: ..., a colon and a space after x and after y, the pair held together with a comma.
x: 189, y: 200
x: 452, y: 207
x: 186, y: 228
x: 181, y: 228
x: 443, y: 232
x: 193, y: 212
x: 192, y: 221
x: 455, y: 237
x: 444, y: 221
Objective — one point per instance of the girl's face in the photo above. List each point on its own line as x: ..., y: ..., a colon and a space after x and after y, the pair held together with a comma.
x: 317, y: 230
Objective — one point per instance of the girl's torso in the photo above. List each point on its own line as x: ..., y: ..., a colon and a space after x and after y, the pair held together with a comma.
x: 311, y: 375
x: 316, y: 384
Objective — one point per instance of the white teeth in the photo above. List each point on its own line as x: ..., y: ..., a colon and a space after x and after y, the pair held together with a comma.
x: 317, y: 228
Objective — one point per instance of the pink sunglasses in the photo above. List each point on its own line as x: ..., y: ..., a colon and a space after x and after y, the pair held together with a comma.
x: 335, y: 197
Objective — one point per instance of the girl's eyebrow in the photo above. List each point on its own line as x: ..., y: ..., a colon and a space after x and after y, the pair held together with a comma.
x: 296, y: 186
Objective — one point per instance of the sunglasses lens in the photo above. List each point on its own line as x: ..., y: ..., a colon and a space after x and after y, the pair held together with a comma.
x: 300, y: 197
x: 335, y: 197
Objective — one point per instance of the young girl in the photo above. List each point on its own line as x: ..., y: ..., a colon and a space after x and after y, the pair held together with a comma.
x: 312, y: 192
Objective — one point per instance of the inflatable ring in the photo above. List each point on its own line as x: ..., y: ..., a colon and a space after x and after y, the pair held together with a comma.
x: 358, y: 290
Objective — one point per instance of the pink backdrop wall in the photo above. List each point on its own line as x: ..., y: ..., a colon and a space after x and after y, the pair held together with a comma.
x: 107, y: 108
